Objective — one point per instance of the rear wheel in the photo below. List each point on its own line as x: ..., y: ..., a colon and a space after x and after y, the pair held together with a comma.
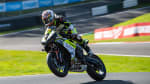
x: 59, y: 66
x: 96, y: 71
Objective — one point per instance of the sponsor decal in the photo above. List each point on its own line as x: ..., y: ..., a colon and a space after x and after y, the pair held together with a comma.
x: 70, y: 49
x: 23, y: 5
x: 14, y: 6
x: 71, y: 1
x: 44, y: 3
x: 117, y: 32
x: 30, y: 4
x: 2, y: 7
x: 59, y: 2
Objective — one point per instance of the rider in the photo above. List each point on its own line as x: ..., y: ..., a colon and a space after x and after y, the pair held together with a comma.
x: 50, y: 19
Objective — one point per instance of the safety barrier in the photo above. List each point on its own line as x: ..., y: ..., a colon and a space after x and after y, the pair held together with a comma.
x: 24, y: 5
x: 22, y: 21
x: 130, y: 3
x: 113, y: 7
x: 19, y: 22
x: 138, y: 29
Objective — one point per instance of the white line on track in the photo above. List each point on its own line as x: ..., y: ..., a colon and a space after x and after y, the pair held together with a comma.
x: 104, y: 43
x: 37, y: 75
x: 123, y: 55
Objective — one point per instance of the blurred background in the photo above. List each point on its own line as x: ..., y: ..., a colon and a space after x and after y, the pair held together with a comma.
x: 20, y: 29
x: 16, y: 14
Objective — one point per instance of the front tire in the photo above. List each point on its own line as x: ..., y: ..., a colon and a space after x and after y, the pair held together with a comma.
x: 98, y: 73
x: 59, y: 69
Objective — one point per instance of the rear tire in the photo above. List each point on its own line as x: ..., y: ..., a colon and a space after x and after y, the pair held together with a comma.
x: 97, y: 73
x: 51, y: 61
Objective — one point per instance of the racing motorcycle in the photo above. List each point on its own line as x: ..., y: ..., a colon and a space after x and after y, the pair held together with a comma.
x: 63, y: 56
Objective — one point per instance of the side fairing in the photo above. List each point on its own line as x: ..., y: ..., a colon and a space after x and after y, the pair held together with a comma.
x: 69, y: 46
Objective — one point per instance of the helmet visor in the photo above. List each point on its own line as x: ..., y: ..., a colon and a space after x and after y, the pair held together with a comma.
x: 46, y: 21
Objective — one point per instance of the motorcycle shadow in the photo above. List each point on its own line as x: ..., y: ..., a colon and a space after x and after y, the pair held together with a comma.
x: 109, y: 82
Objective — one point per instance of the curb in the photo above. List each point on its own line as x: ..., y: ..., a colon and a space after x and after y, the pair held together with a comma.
x: 103, y: 43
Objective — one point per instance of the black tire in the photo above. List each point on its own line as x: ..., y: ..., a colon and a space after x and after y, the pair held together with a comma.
x: 91, y: 70
x: 52, y: 66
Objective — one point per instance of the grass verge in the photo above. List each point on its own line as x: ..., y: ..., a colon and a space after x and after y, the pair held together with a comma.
x: 143, y: 18
x: 90, y: 37
x: 14, y: 63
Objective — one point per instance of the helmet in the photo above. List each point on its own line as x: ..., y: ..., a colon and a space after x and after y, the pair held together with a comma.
x: 48, y: 17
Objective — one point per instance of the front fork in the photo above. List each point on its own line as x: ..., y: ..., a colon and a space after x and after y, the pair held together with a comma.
x: 57, y: 51
x: 59, y: 55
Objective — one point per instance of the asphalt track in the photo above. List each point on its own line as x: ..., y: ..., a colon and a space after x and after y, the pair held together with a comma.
x: 123, y: 49
x: 33, y: 43
x: 111, y: 78
x: 30, y: 40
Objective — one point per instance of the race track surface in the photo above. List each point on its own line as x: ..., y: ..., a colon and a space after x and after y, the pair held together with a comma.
x: 127, y: 49
x: 23, y: 42
x: 111, y: 78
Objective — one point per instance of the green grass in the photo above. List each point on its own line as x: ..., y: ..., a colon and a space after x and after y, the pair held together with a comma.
x: 126, y: 64
x: 14, y: 63
x: 143, y: 18
x: 90, y: 37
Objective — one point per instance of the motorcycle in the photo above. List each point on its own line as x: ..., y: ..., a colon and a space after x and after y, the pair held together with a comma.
x: 63, y: 56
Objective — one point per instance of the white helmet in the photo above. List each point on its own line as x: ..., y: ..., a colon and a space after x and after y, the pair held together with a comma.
x: 48, y: 17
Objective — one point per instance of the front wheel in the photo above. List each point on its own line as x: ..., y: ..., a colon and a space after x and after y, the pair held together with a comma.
x: 97, y: 71
x: 60, y: 69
